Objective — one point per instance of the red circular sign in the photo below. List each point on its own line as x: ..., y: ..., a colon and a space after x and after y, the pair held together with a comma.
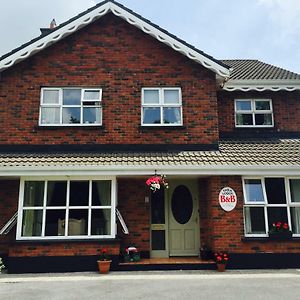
x: 227, y: 198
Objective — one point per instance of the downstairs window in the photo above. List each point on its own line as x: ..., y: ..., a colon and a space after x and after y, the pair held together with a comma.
x: 269, y: 200
x: 65, y: 209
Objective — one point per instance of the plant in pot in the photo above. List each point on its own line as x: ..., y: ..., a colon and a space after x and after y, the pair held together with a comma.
x: 156, y: 182
x: 221, y: 259
x: 280, y: 230
x: 131, y: 254
x: 104, y: 262
x: 2, y: 266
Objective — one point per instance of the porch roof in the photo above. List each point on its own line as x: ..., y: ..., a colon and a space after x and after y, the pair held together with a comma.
x: 231, y: 153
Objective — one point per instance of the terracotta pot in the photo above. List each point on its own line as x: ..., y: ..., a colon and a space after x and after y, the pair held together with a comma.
x: 221, y: 267
x: 104, y: 266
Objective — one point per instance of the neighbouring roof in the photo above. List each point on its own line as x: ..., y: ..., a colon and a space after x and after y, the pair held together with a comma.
x: 95, y: 13
x: 235, y: 155
x: 250, y: 74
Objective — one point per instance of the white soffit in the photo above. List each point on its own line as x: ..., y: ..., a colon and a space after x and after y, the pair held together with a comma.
x: 261, y: 85
x: 97, y: 13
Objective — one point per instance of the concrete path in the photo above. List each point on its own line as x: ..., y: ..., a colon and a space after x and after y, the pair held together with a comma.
x: 235, y: 285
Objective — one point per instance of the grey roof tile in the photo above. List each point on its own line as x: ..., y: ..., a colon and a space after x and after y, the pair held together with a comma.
x: 250, y: 69
x: 279, y: 152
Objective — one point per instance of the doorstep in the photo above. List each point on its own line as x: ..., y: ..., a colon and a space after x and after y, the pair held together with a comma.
x: 172, y: 263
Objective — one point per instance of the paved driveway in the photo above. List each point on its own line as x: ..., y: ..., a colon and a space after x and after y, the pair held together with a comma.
x: 239, y: 285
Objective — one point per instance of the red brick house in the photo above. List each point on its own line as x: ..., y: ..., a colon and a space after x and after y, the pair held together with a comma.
x: 94, y: 107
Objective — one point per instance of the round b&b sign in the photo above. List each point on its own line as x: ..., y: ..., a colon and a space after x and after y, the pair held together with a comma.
x: 227, y: 198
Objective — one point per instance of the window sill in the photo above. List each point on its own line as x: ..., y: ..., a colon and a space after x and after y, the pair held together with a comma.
x: 268, y: 239
x: 160, y: 127
x: 85, y: 127
x: 52, y: 241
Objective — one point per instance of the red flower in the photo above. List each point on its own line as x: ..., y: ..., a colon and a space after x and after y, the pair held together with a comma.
x: 104, y: 251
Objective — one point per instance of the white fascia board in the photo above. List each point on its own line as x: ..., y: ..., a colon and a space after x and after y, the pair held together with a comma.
x: 262, y: 85
x: 150, y: 170
x: 128, y: 17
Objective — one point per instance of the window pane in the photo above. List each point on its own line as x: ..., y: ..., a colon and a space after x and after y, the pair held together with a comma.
x: 32, y: 223
x: 78, y: 221
x: 243, y: 105
x: 295, y: 190
x: 55, y: 222
x: 262, y: 105
x: 255, y: 220
x: 254, y: 191
x: 92, y: 115
x: 151, y: 96
x: 244, y: 119
x: 101, y: 193
x: 79, y: 193
x: 158, y: 239
x: 56, y: 193
x: 50, y: 115
x: 295, y: 214
x: 277, y: 214
x: 101, y: 219
x: 91, y: 95
x: 275, y: 189
x: 158, y: 207
x: 172, y: 115
x: 71, y: 96
x: 34, y: 193
x: 263, y: 119
x: 71, y: 115
x: 50, y: 96
x: 151, y: 115
x: 171, y: 96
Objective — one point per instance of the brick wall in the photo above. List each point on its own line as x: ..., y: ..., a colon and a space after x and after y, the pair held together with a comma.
x: 286, y: 111
x: 136, y: 213
x: 9, y: 195
x: 120, y: 59
x: 227, y: 228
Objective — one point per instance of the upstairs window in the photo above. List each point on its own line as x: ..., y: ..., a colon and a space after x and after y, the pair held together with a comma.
x: 253, y: 113
x: 70, y: 107
x: 161, y: 107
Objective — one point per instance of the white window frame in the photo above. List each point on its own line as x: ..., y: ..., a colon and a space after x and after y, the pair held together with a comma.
x: 60, y: 105
x: 265, y: 204
x: 253, y: 112
x: 162, y: 105
x: 89, y: 236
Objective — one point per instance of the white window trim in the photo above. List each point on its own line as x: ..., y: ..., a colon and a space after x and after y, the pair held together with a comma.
x: 253, y: 112
x: 61, y: 106
x: 265, y: 204
x: 112, y: 207
x: 161, y: 105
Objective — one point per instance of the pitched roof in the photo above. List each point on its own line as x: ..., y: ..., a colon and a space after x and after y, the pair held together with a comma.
x: 250, y: 74
x: 235, y: 155
x: 96, y: 12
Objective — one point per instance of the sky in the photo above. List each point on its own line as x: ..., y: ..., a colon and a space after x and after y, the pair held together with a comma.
x: 267, y: 30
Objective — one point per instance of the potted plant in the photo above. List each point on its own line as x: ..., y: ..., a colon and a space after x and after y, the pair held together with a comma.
x: 2, y: 266
x: 156, y: 182
x: 104, y: 262
x: 280, y: 231
x: 131, y: 254
x: 221, y: 259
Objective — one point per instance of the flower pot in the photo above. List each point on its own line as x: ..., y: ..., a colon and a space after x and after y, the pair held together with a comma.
x: 221, y: 267
x: 104, y: 266
x: 283, y: 235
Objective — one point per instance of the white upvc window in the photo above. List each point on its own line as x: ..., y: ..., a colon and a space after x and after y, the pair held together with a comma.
x: 71, y: 107
x: 253, y: 113
x: 269, y: 200
x: 161, y: 106
x: 67, y: 208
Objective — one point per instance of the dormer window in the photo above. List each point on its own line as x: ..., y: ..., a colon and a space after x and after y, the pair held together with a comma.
x: 253, y: 113
x: 71, y: 107
x: 161, y: 107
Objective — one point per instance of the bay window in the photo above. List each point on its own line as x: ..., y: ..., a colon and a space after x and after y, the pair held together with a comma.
x: 66, y: 208
x: 269, y: 200
x: 70, y: 107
